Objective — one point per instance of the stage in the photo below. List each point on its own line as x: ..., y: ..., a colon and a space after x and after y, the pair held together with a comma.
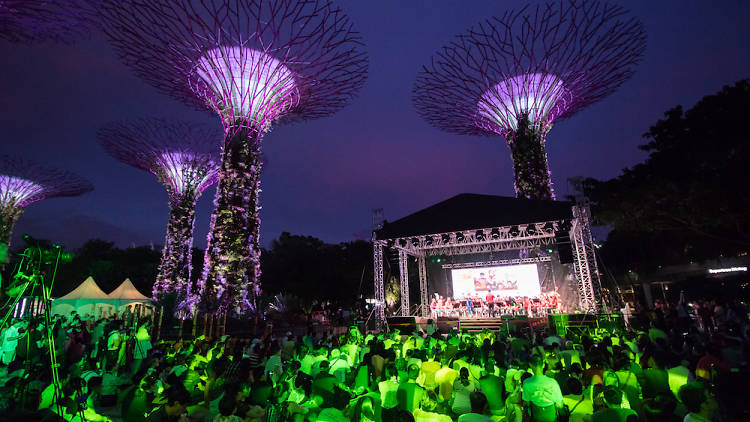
x: 559, y: 324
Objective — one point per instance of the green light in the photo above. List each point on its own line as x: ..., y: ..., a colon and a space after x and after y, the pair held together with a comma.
x: 437, y: 260
x: 549, y: 250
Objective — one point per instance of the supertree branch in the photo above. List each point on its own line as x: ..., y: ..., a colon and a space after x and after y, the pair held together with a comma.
x: 184, y: 158
x: 24, y: 182
x: 255, y: 63
x: 515, y: 75
x: 26, y: 21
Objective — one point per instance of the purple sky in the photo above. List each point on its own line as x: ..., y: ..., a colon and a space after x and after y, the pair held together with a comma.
x: 325, y: 176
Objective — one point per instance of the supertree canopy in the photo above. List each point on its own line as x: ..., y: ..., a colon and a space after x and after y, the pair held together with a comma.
x: 515, y: 75
x: 24, y: 182
x: 255, y: 63
x: 184, y: 158
x: 41, y: 20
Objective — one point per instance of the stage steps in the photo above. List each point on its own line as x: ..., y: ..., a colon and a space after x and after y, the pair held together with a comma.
x: 475, y: 325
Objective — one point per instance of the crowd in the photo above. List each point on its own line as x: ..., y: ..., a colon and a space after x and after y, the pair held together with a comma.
x: 676, y: 363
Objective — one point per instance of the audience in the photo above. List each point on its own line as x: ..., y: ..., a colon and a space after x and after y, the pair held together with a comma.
x: 676, y: 362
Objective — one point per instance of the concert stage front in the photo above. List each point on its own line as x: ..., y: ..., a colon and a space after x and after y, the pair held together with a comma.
x: 444, y: 325
x: 559, y: 324
x: 486, y: 257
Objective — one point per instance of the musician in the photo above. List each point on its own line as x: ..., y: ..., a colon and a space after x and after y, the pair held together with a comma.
x: 490, y: 298
x: 469, y: 305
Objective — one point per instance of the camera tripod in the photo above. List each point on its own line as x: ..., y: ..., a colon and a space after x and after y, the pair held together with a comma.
x: 35, y: 283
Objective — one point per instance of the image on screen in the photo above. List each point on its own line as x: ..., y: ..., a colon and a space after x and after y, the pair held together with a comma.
x: 509, y: 280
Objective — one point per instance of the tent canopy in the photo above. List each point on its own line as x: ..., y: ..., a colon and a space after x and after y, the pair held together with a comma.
x: 86, y: 290
x: 127, y: 291
x: 89, y: 298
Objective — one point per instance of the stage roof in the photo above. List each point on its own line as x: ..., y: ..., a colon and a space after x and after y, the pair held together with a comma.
x: 469, y: 211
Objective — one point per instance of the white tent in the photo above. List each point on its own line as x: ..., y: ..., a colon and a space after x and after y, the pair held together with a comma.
x: 87, y: 298
x: 126, y: 295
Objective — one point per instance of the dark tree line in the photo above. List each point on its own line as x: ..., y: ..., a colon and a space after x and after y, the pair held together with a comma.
x: 690, y: 199
x: 302, y: 266
x: 309, y: 268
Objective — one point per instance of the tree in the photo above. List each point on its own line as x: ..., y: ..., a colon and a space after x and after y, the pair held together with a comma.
x: 690, y: 199
x: 309, y: 268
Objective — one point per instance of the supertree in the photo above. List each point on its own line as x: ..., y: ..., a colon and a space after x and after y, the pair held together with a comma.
x: 184, y: 159
x: 41, y: 20
x: 23, y: 182
x: 515, y: 75
x: 255, y: 63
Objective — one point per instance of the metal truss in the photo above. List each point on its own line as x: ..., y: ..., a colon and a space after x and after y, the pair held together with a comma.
x: 477, y: 240
x: 497, y: 262
x: 507, y: 245
x: 492, y: 239
x: 585, y: 266
x: 379, y: 310
x: 423, y: 297
x: 403, y: 270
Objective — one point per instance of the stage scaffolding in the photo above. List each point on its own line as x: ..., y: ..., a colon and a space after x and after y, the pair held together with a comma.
x: 489, y: 239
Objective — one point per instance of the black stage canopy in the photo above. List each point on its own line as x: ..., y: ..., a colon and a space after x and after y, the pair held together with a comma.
x: 468, y: 211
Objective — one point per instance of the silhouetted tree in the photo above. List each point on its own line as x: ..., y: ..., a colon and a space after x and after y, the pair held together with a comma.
x: 690, y: 199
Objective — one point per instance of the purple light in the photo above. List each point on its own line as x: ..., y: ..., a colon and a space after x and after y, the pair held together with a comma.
x: 18, y: 192
x: 250, y: 84
x: 539, y: 97
x: 255, y: 63
x: 516, y: 74
x: 24, y: 182
x: 184, y: 158
x: 185, y: 172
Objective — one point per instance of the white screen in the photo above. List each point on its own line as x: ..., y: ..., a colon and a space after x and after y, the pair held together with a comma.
x: 510, y: 280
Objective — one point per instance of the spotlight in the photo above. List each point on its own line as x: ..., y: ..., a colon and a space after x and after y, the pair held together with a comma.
x: 480, y: 235
x: 459, y: 236
x: 446, y: 238
x: 531, y: 229
x: 495, y: 233
x: 414, y: 241
x: 514, y: 231
x: 402, y: 242
x: 390, y: 243
x: 428, y: 240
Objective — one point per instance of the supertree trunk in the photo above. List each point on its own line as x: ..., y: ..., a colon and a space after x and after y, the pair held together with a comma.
x: 232, y: 262
x: 174, y: 269
x: 8, y: 217
x: 532, y: 175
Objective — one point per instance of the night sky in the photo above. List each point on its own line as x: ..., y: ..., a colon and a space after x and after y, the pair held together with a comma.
x: 325, y: 176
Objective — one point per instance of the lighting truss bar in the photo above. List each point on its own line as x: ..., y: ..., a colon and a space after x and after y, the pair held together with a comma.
x: 499, y: 262
x: 414, y: 245
x: 492, y: 247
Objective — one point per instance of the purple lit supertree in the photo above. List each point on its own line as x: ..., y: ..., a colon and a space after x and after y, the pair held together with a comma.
x: 255, y: 63
x: 24, y: 182
x: 184, y: 158
x: 515, y: 75
x: 41, y: 20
